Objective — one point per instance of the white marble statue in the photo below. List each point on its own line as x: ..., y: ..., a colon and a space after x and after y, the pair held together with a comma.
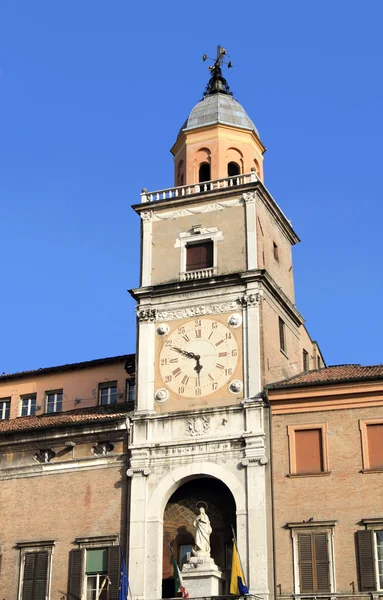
x: 202, y: 533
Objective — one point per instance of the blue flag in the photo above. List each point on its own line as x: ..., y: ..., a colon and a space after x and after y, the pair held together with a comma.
x: 124, y: 581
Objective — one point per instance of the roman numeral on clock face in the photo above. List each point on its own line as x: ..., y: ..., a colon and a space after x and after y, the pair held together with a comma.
x: 185, y: 380
x: 177, y: 372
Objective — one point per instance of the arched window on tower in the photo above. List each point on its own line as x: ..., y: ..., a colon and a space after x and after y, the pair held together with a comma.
x: 204, y: 172
x: 233, y: 169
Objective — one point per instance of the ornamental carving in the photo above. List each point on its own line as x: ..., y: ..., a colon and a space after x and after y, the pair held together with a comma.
x: 249, y: 300
x: 175, y: 214
x: 197, y: 426
x: 260, y: 460
x: 146, y: 315
x: 196, y: 311
x: 249, y: 197
x: 145, y: 471
x: 147, y: 215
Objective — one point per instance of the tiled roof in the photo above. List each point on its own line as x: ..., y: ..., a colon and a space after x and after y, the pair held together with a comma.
x: 128, y: 358
x: 334, y: 374
x: 71, y: 417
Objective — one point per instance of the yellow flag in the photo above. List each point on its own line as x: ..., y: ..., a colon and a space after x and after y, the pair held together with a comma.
x: 237, y: 581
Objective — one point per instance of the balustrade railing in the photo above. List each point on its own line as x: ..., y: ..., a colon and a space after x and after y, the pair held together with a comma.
x: 198, y: 188
x: 198, y: 274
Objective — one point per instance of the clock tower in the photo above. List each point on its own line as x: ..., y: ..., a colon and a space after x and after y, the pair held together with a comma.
x: 216, y: 321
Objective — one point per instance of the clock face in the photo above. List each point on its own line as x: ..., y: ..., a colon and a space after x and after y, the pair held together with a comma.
x: 198, y: 358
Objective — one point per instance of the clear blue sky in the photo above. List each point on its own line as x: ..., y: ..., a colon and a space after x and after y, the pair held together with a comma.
x: 92, y: 95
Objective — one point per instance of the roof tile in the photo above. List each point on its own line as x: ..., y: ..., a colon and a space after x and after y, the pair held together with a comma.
x: 333, y: 374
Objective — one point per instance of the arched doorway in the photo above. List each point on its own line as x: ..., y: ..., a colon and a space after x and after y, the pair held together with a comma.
x: 180, y: 512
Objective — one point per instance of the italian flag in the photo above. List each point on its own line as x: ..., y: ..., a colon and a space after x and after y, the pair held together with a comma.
x: 178, y: 581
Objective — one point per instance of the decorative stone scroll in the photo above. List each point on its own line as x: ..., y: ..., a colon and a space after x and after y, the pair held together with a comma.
x: 147, y: 314
x: 145, y: 471
x: 197, y: 311
x: 260, y: 460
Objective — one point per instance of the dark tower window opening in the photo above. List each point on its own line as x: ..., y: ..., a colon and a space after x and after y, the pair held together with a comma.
x: 233, y: 169
x: 204, y: 172
x: 199, y: 256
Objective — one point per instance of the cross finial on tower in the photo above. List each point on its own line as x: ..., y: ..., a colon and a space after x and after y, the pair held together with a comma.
x: 217, y: 82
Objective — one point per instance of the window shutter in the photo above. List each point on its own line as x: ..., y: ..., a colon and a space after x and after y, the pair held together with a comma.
x: 322, y: 562
x: 366, y: 561
x: 29, y: 573
x: 35, y: 576
x: 113, y: 572
x: 76, y: 570
x: 306, y: 571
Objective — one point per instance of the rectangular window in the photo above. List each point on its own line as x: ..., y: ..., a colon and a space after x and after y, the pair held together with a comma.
x: 372, y: 444
x: 319, y: 362
x: 35, y: 567
x: 282, y: 335
x: 308, y: 449
x: 313, y: 558
x: 199, y: 256
x: 94, y: 569
x: 370, y: 556
x: 305, y: 361
x: 108, y: 393
x: 96, y: 574
x: 130, y: 389
x: 275, y: 251
x: 54, y: 401
x: 5, y: 407
x: 28, y: 406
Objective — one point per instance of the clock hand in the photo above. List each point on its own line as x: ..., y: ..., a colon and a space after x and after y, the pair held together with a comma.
x: 185, y: 353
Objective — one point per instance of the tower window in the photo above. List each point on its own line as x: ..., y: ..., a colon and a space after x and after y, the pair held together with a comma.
x: 275, y: 250
x: 204, y: 172
x: 233, y: 169
x: 282, y: 335
x: 305, y: 361
x: 199, y: 256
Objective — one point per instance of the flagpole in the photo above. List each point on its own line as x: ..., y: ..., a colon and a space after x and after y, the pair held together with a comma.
x: 239, y: 557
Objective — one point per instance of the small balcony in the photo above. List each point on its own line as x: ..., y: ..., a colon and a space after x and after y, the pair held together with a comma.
x: 199, y: 188
x: 198, y: 274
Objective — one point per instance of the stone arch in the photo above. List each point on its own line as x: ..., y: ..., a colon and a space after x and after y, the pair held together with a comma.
x: 180, y: 173
x: 257, y: 168
x: 202, y: 162
x: 233, y: 155
x: 175, y: 478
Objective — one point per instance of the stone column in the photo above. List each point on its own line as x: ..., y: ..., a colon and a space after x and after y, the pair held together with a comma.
x: 137, y: 530
x: 145, y: 367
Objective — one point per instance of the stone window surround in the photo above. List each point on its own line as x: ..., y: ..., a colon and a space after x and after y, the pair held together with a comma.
x: 291, y: 429
x: 363, y: 424
x: 198, y: 234
x: 327, y: 527
x: 41, y: 546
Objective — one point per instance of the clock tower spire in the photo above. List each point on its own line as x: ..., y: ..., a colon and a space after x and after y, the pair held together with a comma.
x: 216, y: 321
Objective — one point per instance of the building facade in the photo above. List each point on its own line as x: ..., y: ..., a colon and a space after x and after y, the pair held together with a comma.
x: 63, y: 489
x: 327, y: 462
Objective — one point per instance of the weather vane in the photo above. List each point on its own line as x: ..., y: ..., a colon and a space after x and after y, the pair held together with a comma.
x: 217, y: 82
x: 220, y: 60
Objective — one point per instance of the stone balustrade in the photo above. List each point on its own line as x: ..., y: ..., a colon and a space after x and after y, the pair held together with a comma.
x: 198, y: 188
x: 198, y: 274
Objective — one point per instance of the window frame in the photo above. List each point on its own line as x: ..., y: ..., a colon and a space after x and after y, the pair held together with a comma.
x: 327, y: 527
x: 373, y: 525
x: 363, y: 426
x: 30, y: 398
x: 3, y: 408
x: 107, y: 385
x: 200, y: 243
x: 55, y: 394
x: 198, y: 234
x: 93, y: 543
x: 282, y: 336
x: 306, y: 361
x: 30, y: 547
x: 130, y: 393
x: 291, y: 430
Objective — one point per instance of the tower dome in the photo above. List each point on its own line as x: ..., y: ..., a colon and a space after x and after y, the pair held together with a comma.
x: 218, y: 139
x: 218, y: 108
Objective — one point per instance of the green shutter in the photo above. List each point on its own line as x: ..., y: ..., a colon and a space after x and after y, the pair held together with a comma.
x: 366, y: 561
